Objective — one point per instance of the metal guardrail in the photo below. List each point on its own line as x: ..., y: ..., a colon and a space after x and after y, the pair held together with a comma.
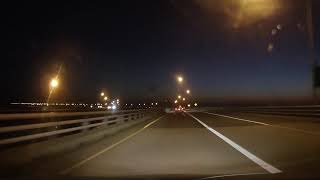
x: 307, y: 110
x: 32, y: 127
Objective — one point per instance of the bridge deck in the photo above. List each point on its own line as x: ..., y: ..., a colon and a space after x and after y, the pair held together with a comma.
x: 178, y: 145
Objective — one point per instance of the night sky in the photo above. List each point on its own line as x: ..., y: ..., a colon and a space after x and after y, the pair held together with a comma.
x: 134, y: 49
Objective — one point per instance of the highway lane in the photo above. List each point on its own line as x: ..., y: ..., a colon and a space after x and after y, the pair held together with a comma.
x: 294, y: 152
x: 309, y: 124
x: 177, y: 145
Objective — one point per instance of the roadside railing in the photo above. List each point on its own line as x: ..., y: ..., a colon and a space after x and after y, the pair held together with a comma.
x: 307, y: 110
x: 25, y: 128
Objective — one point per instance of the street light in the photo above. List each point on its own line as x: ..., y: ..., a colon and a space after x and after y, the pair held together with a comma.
x: 195, y: 104
x: 176, y: 101
x: 54, y: 83
x: 179, y: 96
x: 183, y: 99
x: 180, y: 79
x: 105, y: 98
x: 188, y: 91
x: 102, y: 94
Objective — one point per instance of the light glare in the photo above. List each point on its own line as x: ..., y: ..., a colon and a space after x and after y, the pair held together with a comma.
x: 54, y: 83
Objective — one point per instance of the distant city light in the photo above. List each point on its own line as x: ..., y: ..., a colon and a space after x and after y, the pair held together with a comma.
x: 189, y: 105
x: 176, y: 101
x: 102, y: 94
x: 195, y: 104
x: 183, y: 99
x: 105, y: 98
x: 188, y: 91
x: 179, y: 96
x: 114, y: 107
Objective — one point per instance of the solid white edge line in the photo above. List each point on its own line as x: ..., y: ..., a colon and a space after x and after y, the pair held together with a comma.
x: 248, y: 154
x: 232, y: 175
x: 265, y: 124
x: 66, y: 171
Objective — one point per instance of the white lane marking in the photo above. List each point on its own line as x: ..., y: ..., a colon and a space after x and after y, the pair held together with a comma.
x: 256, y: 122
x: 248, y: 154
x: 66, y: 171
x: 265, y: 124
x: 231, y: 175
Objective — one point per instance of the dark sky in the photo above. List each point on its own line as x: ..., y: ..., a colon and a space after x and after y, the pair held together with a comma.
x: 134, y: 49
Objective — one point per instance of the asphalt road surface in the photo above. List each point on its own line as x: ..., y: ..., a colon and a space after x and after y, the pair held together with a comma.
x: 196, y: 145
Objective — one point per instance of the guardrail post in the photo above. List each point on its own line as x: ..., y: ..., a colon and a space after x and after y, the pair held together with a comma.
x: 85, y: 124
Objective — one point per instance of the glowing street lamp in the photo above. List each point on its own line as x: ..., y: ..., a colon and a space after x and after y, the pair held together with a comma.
x: 195, y: 104
x: 102, y: 94
x: 189, y: 105
x: 183, y: 99
x: 54, y: 83
x: 180, y: 79
x: 105, y: 98
x: 176, y: 101
x: 179, y: 97
x: 188, y: 91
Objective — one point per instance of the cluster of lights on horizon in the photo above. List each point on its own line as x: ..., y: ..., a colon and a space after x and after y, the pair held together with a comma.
x: 114, y: 104
x: 54, y: 83
x: 180, y: 80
